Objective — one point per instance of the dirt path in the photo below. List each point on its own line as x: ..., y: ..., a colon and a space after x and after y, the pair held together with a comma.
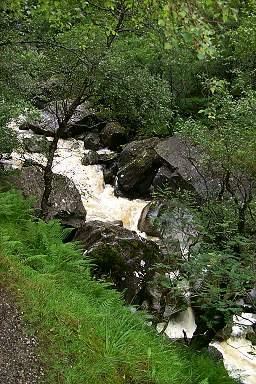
x: 18, y: 362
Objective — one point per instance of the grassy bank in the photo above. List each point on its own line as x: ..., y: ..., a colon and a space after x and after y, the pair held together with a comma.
x: 86, y: 334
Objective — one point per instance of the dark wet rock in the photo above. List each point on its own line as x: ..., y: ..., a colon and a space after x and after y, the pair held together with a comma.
x: 92, y: 141
x: 215, y: 353
x: 159, y: 300
x: 108, y: 158
x: 109, y: 173
x: 37, y: 129
x: 36, y: 144
x: 138, y: 164
x: 119, y: 254
x: 82, y: 122
x: 65, y: 201
x: 185, y: 167
x: 82, y: 125
x: 150, y: 213
x: 163, y: 177
x: 113, y: 135
x: 90, y: 158
x: 110, y: 168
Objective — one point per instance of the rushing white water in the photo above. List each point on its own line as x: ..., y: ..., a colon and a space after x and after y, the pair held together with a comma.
x: 238, y: 353
x: 99, y: 199
x: 101, y: 204
x: 182, y: 322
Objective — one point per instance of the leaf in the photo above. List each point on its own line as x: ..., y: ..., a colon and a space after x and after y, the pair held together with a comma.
x: 167, y: 46
x: 187, y: 36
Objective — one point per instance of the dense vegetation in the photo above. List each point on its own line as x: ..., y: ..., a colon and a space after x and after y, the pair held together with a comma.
x: 158, y: 67
x: 85, y: 332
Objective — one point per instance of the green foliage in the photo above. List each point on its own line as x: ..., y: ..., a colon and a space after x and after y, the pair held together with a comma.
x: 243, y: 45
x: 141, y: 101
x: 8, y: 140
x: 220, y: 264
x: 227, y: 131
x: 86, y: 334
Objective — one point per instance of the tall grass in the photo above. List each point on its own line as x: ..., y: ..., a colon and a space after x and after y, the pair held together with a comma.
x: 86, y: 335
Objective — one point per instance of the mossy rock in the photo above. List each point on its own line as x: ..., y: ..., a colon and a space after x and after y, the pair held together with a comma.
x: 118, y: 253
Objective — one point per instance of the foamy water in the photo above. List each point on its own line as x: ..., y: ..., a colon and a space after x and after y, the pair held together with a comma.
x: 98, y: 199
x: 101, y: 204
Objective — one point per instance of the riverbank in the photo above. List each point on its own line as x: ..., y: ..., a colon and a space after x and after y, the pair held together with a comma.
x: 85, y: 333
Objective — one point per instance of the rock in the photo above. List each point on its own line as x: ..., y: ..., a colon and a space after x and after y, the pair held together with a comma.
x: 92, y: 141
x: 119, y: 254
x: 113, y: 135
x: 82, y: 122
x: 185, y: 167
x: 82, y: 125
x: 90, y: 158
x: 37, y: 129
x: 109, y: 173
x: 158, y: 299
x: 36, y: 144
x: 163, y: 176
x: 108, y: 158
x: 138, y: 164
x: 65, y: 200
x: 110, y: 168
x: 151, y: 212
x: 215, y: 353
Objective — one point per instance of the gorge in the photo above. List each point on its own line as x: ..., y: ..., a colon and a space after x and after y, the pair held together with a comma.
x: 102, y: 205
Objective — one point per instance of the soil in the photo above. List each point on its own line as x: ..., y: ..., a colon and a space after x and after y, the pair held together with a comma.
x: 18, y: 361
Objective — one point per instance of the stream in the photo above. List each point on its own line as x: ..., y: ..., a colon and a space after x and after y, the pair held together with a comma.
x: 101, y: 204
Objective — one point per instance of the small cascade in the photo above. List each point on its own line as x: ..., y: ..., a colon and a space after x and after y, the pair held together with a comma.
x: 182, y: 322
x: 99, y: 199
x: 101, y: 204
x: 239, y: 354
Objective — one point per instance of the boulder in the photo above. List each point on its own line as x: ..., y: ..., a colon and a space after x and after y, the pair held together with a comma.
x: 110, y: 168
x: 109, y: 173
x: 159, y: 300
x: 185, y: 167
x: 107, y: 158
x: 90, y: 158
x: 92, y: 141
x: 163, y: 177
x: 82, y: 122
x: 138, y: 164
x: 150, y: 213
x: 36, y: 144
x: 80, y: 125
x: 119, y: 254
x: 65, y: 201
x: 113, y: 135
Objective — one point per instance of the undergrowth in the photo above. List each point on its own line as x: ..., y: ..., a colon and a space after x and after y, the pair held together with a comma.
x: 85, y: 333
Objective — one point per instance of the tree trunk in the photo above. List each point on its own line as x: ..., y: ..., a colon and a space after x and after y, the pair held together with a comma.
x: 48, y: 177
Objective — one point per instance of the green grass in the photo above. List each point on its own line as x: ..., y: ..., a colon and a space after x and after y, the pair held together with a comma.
x: 85, y: 333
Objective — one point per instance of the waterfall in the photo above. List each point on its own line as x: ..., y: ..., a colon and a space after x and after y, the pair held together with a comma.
x: 101, y: 204
x: 98, y: 198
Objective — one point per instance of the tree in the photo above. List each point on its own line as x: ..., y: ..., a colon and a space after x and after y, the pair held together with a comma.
x: 70, y: 51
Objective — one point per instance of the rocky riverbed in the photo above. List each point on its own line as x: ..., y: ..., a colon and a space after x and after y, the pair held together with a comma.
x: 106, y: 195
